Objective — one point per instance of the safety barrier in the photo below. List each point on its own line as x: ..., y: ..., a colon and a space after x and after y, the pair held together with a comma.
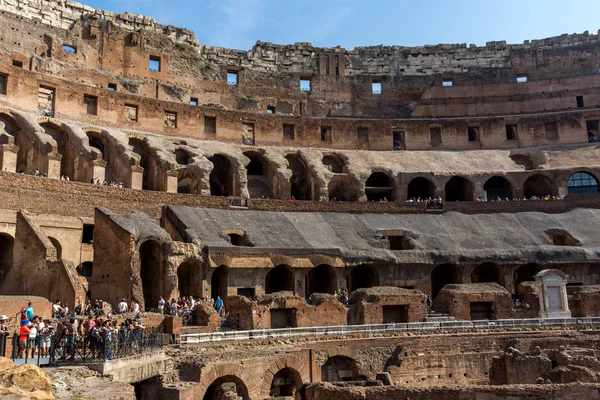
x: 261, y: 334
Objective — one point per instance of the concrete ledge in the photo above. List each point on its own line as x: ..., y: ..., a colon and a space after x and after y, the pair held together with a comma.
x: 135, y: 368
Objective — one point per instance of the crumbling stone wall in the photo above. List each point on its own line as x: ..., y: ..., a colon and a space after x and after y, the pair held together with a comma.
x: 368, y: 306
x: 458, y: 300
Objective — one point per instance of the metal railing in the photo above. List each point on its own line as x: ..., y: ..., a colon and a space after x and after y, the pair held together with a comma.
x: 449, y: 326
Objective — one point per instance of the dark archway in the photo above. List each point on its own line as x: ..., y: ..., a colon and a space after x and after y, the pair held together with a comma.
x: 224, y: 384
x: 85, y: 269
x: 99, y: 142
x: 459, y: 189
x: 380, y: 186
x: 538, y: 186
x: 526, y: 273
x: 6, y: 254
x: 362, y: 277
x: 488, y: 272
x: 343, y: 188
x: 151, y: 272
x: 12, y: 128
x: 188, y: 181
x: 58, y: 247
x: 335, y: 163
x: 219, y: 283
x: 189, y: 278
x: 582, y: 183
x: 63, y: 148
x: 285, y: 383
x: 340, y: 368
x: 280, y: 279
x: 257, y: 172
x: 140, y: 147
x: 321, y: 279
x: 183, y: 157
x: 420, y: 188
x: 443, y: 275
x: 498, y: 188
x: 221, y: 177
x: 302, y: 188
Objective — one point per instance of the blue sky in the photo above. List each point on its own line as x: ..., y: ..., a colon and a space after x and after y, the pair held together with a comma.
x: 350, y: 23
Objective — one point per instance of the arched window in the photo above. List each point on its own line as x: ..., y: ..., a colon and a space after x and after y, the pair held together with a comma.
x: 498, y: 188
x: 582, y: 183
x: 380, y: 186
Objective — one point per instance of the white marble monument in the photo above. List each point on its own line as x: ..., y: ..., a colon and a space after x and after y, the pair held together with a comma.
x: 552, y: 285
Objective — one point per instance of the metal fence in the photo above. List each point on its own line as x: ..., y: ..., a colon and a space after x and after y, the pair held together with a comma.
x: 260, y: 334
x: 107, y: 345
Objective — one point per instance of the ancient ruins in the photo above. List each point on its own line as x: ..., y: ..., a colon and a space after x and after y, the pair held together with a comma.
x: 380, y: 222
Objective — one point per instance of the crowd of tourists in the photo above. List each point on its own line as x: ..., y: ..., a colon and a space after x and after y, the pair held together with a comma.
x: 65, y: 178
x: 185, y: 305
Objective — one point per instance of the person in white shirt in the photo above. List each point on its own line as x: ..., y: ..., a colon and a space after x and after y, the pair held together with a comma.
x: 136, y: 307
x: 122, y: 306
x: 161, y: 305
x: 56, y: 309
x: 33, y: 335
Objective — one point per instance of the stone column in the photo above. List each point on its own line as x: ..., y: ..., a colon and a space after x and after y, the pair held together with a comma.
x: 8, y: 157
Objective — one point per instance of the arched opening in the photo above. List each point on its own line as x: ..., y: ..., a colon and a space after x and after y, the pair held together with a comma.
x: 63, y: 148
x: 151, y: 272
x: 85, y: 269
x: 257, y: 172
x: 321, y: 279
x: 526, y: 273
x: 301, y: 180
x: 524, y: 161
x: 498, y: 188
x: 341, y: 368
x: 420, y: 188
x: 488, y: 272
x: 343, y: 188
x: 183, y: 157
x: 219, y: 283
x: 459, y: 189
x: 227, y: 387
x: 6, y: 254
x: 100, y: 143
x: 582, y: 183
x: 335, y: 163
x: 285, y: 383
x: 188, y: 181
x: 9, y: 125
x: 221, y: 177
x: 379, y: 186
x: 362, y: 277
x: 189, y: 278
x: 280, y: 279
x: 58, y: 247
x: 443, y: 275
x: 141, y: 148
x: 538, y: 186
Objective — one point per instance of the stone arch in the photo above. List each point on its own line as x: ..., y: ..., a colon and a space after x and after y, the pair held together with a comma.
x: 582, y: 183
x: 217, y: 389
x: 13, y: 129
x: 151, y: 272
x: 380, y: 186
x: 341, y: 368
x: 420, y: 187
x: 99, y: 141
x: 343, y: 188
x: 539, y: 186
x: 335, y: 163
x: 443, y: 275
x: 321, y: 279
x: 285, y: 383
x: 292, y: 363
x: 459, y: 189
x: 259, y: 175
x: 85, y: 269
x: 57, y: 246
x: 280, y: 279
x: 498, y: 187
x: 487, y: 272
x: 189, y: 181
x: 221, y: 177
x: 524, y: 161
x: 189, y: 278
x: 219, y: 282
x: 301, y: 180
x: 7, y: 243
x: 526, y: 273
x: 64, y: 147
x: 362, y: 277
x: 141, y: 148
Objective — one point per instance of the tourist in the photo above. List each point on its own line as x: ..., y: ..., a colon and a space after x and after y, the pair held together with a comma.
x: 79, y: 308
x: 4, y: 332
x: 219, y: 305
x: 33, y: 332
x: 161, y: 305
x: 23, y: 336
x: 136, y: 306
x: 122, y: 307
x: 29, y: 311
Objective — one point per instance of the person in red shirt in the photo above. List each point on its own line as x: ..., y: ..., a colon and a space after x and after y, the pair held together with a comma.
x: 23, y: 336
